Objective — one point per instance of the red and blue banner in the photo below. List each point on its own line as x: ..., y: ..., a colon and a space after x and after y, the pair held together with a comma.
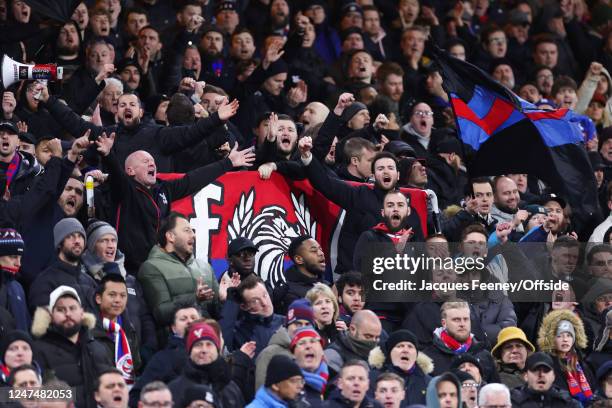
x: 270, y: 213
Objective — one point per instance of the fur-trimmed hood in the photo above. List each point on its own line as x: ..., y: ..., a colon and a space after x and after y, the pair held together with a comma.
x: 42, y: 321
x: 548, y: 330
x: 377, y: 359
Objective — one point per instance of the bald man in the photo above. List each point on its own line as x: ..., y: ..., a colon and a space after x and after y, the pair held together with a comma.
x: 142, y: 201
x: 314, y: 113
x: 355, y: 343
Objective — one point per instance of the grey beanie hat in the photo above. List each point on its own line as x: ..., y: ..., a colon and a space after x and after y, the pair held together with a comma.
x: 64, y: 228
x: 352, y: 110
x: 565, y: 326
x: 95, y: 231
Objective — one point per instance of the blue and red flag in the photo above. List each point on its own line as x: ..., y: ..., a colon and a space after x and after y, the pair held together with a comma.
x: 510, y: 135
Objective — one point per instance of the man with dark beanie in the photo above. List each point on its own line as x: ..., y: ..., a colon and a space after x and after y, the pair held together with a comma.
x: 15, y: 350
x: 69, y: 241
x: 205, y: 366
x: 284, y: 383
x: 308, y: 268
x: 400, y: 355
x: 12, y: 296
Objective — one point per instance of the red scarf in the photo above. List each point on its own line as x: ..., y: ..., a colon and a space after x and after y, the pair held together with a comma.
x: 451, y: 343
x: 10, y: 270
x: 394, y: 236
x: 4, y: 370
x: 578, y: 385
x: 12, y: 169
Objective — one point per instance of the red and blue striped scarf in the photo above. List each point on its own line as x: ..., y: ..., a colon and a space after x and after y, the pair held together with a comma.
x: 578, y: 385
x: 123, y: 355
x: 12, y: 169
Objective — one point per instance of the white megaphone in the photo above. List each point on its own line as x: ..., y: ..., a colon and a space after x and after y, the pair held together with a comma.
x: 13, y: 71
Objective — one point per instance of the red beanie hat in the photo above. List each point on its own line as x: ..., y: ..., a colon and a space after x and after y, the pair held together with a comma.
x: 305, y: 332
x: 201, y: 331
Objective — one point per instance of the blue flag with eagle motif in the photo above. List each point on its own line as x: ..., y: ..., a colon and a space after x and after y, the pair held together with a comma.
x: 510, y: 135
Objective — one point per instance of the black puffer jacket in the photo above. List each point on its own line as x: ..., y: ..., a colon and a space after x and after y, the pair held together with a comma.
x: 77, y: 364
x: 57, y: 274
x: 554, y: 398
x: 215, y: 374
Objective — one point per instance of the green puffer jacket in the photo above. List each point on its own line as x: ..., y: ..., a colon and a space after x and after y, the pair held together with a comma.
x: 165, y: 279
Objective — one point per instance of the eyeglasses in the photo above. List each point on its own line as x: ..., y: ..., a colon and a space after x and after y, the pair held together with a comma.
x: 469, y: 385
x: 495, y: 406
x: 297, y: 380
x: 157, y: 404
x: 423, y: 113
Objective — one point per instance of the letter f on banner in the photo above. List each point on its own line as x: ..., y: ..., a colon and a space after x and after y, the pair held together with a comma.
x: 203, y: 222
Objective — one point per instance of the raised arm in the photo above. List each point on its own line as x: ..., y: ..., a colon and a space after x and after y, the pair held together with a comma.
x: 65, y: 116
x: 118, y: 180
x: 199, y: 178
x: 331, y: 126
x: 336, y: 190
x: 175, y: 139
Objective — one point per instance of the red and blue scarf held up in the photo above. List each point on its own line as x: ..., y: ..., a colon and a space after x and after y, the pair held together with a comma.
x: 123, y: 354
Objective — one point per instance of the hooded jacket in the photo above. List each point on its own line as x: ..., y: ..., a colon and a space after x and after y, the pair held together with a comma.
x: 415, y: 383
x: 432, y: 392
x: 546, y: 343
x: 78, y: 364
x: 166, y: 279
x: 278, y: 345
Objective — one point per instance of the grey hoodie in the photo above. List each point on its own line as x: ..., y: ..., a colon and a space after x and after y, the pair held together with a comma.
x: 432, y: 392
x: 278, y: 345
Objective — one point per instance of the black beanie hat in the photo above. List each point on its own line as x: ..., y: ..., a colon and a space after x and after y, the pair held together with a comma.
x: 277, y: 67
x: 399, y: 336
x: 466, y: 358
x: 281, y: 368
x: 462, y: 375
x: 199, y: 392
x: 352, y: 110
x: 11, y: 337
